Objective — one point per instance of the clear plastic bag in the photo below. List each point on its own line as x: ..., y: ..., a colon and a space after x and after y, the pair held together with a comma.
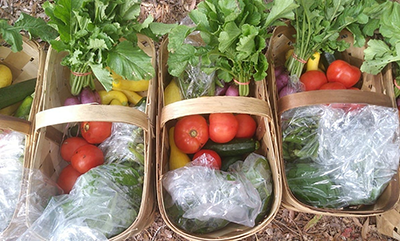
x: 12, y: 147
x: 125, y: 145
x: 195, y: 83
x: 104, y: 202
x: 202, y: 199
x: 340, y: 155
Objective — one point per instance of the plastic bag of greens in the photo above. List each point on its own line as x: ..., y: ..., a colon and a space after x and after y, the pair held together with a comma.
x: 194, y: 82
x: 104, y: 200
x: 12, y: 147
x: 340, y: 155
x: 202, y: 199
x: 125, y: 145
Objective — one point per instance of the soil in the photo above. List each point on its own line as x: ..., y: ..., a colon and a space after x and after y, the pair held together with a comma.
x: 287, y: 225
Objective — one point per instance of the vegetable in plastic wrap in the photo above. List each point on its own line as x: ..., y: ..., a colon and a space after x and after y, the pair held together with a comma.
x: 202, y: 200
x: 125, y: 144
x: 12, y: 146
x: 340, y: 155
x: 104, y: 200
x: 195, y: 83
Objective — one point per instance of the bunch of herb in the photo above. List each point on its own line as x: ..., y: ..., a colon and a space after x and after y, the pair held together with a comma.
x: 96, y: 34
x: 91, y: 32
x: 379, y: 53
x: 234, y: 34
x: 318, y: 25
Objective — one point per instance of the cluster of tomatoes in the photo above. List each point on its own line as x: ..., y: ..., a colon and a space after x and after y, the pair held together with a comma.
x: 82, y: 152
x: 339, y: 75
x: 192, y: 133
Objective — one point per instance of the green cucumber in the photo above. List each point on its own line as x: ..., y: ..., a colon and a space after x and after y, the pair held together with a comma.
x: 229, y: 160
x: 235, y: 147
x: 17, y: 92
x: 25, y: 108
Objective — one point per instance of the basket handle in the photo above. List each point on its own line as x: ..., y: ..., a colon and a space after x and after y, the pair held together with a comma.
x: 89, y: 112
x: 215, y: 104
x: 15, y: 124
x: 308, y: 98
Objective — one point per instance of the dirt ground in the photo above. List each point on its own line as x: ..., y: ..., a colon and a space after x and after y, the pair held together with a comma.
x: 287, y: 225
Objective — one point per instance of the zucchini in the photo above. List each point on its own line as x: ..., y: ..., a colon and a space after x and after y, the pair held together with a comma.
x: 327, y: 58
x: 17, y: 92
x: 229, y: 160
x: 235, y: 147
x: 25, y: 108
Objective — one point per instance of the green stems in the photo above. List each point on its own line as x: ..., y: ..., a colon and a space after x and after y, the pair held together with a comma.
x: 80, y: 78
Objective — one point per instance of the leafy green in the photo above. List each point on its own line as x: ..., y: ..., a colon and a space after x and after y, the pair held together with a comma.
x: 106, y: 199
x: 37, y: 28
x: 380, y: 53
x: 91, y: 32
x: 234, y: 34
x: 319, y: 23
x: 96, y: 34
x: 307, y: 183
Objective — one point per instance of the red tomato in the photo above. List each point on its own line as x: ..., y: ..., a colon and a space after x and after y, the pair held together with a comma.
x: 247, y: 126
x: 207, y: 158
x: 67, y: 178
x: 86, y: 157
x: 191, y: 133
x: 70, y: 145
x: 313, y: 79
x: 95, y: 132
x: 333, y: 86
x: 343, y: 72
x: 223, y: 127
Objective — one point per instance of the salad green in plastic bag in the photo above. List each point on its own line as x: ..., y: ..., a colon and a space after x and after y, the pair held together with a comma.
x: 340, y: 155
x: 201, y: 199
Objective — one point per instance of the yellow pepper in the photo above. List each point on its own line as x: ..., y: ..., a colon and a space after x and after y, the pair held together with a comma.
x: 313, y: 62
x: 107, y: 97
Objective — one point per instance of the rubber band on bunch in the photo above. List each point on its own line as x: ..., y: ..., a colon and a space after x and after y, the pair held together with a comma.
x: 81, y: 74
x: 299, y: 59
x: 242, y: 83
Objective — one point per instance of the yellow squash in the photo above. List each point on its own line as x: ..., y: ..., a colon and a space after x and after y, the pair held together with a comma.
x: 107, y: 97
x: 313, y: 62
x: 172, y: 93
x: 177, y: 158
x: 132, y: 96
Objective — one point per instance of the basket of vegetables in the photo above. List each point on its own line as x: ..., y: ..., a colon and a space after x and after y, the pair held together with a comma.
x: 95, y: 161
x: 337, y: 124
x: 21, y: 73
x: 217, y: 174
x: 92, y: 171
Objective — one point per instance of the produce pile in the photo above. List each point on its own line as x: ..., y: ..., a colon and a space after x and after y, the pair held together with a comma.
x: 108, y: 63
x: 105, y: 169
x: 215, y: 177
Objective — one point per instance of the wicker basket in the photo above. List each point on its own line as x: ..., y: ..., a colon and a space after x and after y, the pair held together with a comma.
x: 53, y: 117
x: 26, y: 64
x: 256, y: 106
x: 376, y: 89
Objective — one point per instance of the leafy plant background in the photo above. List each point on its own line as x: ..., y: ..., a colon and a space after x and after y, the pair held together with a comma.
x: 287, y: 225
